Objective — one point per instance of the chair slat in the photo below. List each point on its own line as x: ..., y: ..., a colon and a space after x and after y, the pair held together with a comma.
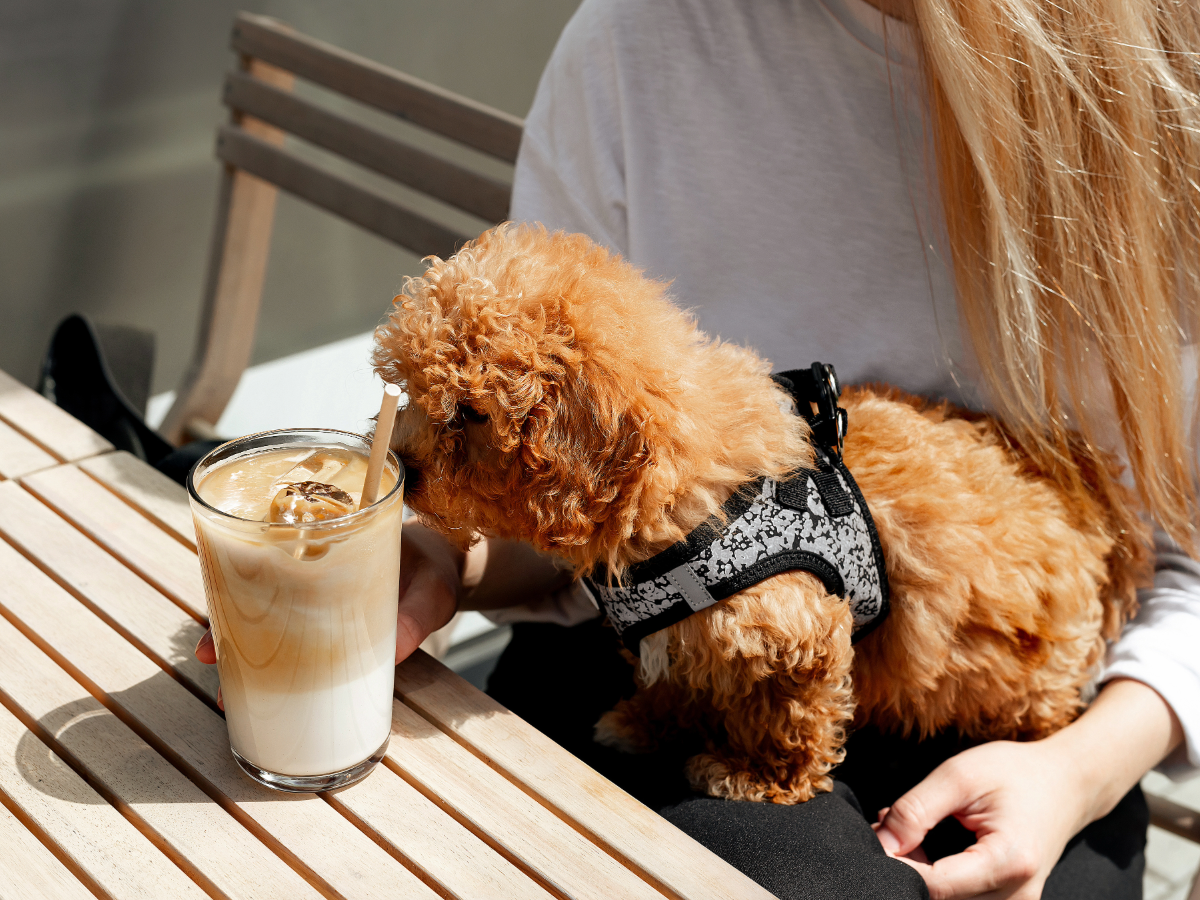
x: 237, y: 269
x: 1172, y: 817
x: 417, y: 101
x: 356, y: 204
x: 478, y: 194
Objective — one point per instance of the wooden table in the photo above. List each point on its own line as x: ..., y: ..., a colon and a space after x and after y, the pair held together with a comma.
x: 116, y: 778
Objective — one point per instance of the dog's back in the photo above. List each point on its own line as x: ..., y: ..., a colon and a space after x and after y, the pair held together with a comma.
x: 1005, y: 583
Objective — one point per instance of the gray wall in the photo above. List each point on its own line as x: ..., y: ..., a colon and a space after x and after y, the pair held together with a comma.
x: 108, y: 180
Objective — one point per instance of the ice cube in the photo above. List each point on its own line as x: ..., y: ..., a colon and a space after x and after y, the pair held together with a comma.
x: 309, y: 501
x: 320, y: 466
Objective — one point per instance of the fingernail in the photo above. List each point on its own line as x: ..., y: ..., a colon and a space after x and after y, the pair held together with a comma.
x: 889, y: 841
x: 204, y: 639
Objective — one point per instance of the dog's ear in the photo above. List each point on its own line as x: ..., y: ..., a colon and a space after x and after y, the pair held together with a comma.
x: 584, y: 453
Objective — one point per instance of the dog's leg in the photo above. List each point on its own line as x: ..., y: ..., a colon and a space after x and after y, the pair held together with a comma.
x: 650, y: 717
x: 781, y: 742
x: 782, y: 691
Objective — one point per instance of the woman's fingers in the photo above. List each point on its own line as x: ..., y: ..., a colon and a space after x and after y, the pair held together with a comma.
x: 986, y: 869
x: 428, y: 588
x: 1021, y: 802
x: 905, y: 823
x: 206, y: 650
x: 427, y: 605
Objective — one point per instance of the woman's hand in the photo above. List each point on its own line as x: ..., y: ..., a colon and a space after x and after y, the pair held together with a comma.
x: 429, y: 590
x: 499, y: 573
x: 429, y: 587
x: 1025, y: 801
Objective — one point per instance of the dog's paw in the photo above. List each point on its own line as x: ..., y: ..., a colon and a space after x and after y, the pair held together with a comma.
x: 723, y: 778
x: 614, y: 730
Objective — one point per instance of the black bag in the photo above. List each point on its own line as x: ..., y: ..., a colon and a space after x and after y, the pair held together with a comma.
x: 100, y: 374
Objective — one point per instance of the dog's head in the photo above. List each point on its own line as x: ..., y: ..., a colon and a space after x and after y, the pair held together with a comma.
x: 539, y: 369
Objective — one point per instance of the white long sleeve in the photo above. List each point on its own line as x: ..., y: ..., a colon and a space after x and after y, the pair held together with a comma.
x: 1161, y: 647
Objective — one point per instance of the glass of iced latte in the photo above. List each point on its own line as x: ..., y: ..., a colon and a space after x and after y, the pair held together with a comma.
x: 302, y: 588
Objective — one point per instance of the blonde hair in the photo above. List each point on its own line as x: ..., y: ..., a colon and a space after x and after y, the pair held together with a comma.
x: 1067, y: 135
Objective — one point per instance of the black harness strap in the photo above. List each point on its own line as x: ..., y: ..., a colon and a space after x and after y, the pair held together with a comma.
x: 814, y: 521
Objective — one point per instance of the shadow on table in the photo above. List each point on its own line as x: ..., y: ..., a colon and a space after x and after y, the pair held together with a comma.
x: 87, y: 738
x: 108, y: 746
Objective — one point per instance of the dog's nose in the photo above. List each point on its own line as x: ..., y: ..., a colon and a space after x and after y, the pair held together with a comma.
x: 412, y: 477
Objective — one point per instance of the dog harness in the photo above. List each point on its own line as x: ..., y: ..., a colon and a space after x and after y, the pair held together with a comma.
x: 813, y: 521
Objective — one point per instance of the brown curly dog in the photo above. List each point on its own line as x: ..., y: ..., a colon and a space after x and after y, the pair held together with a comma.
x: 558, y: 397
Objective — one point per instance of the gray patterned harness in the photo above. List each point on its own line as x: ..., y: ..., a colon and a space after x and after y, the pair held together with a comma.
x: 814, y: 521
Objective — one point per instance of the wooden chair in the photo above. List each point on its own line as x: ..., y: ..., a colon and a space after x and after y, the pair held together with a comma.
x: 264, y: 112
x: 1180, y: 820
x: 1173, y: 817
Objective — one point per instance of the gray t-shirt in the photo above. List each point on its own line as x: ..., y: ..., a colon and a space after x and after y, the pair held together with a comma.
x: 769, y: 159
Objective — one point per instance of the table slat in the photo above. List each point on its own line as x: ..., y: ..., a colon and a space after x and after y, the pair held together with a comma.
x: 125, y: 600
x: 54, y: 429
x: 309, y: 832
x: 637, y: 834
x: 19, y: 455
x: 555, y: 852
x: 451, y: 856
x: 149, y: 490
x: 28, y: 869
x: 153, y: 553
x: 561, y: 856
x: 469, y: 764
x: 120, y: 860
x: 77, y: 564
x: 194, y: 828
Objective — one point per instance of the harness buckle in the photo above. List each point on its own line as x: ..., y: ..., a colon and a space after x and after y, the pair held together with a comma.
x: 831, y: 381
x: 817, y: 386
x: 830, y: 416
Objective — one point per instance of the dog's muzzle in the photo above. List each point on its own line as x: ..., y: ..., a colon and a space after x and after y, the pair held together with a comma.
x: 412, y: 478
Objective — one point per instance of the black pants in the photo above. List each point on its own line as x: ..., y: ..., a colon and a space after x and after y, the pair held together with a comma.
x: 561, y: 680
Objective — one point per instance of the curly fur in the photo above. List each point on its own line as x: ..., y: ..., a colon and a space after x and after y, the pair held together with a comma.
x: 560, y: 398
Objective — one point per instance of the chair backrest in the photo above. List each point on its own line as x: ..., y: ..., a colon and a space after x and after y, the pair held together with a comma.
x: 264, y: 111
x: 1171, y: 816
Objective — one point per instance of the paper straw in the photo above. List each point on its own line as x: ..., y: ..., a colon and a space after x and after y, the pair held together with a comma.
x: 379, y: 445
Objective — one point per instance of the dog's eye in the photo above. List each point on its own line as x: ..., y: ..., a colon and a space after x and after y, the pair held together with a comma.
x: 471, y: 415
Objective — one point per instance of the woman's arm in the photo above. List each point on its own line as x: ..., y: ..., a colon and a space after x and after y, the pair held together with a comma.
x: 436, y: 580
x: 1025, y: 801
x: 432, y: 585
x: 1161, y: 648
